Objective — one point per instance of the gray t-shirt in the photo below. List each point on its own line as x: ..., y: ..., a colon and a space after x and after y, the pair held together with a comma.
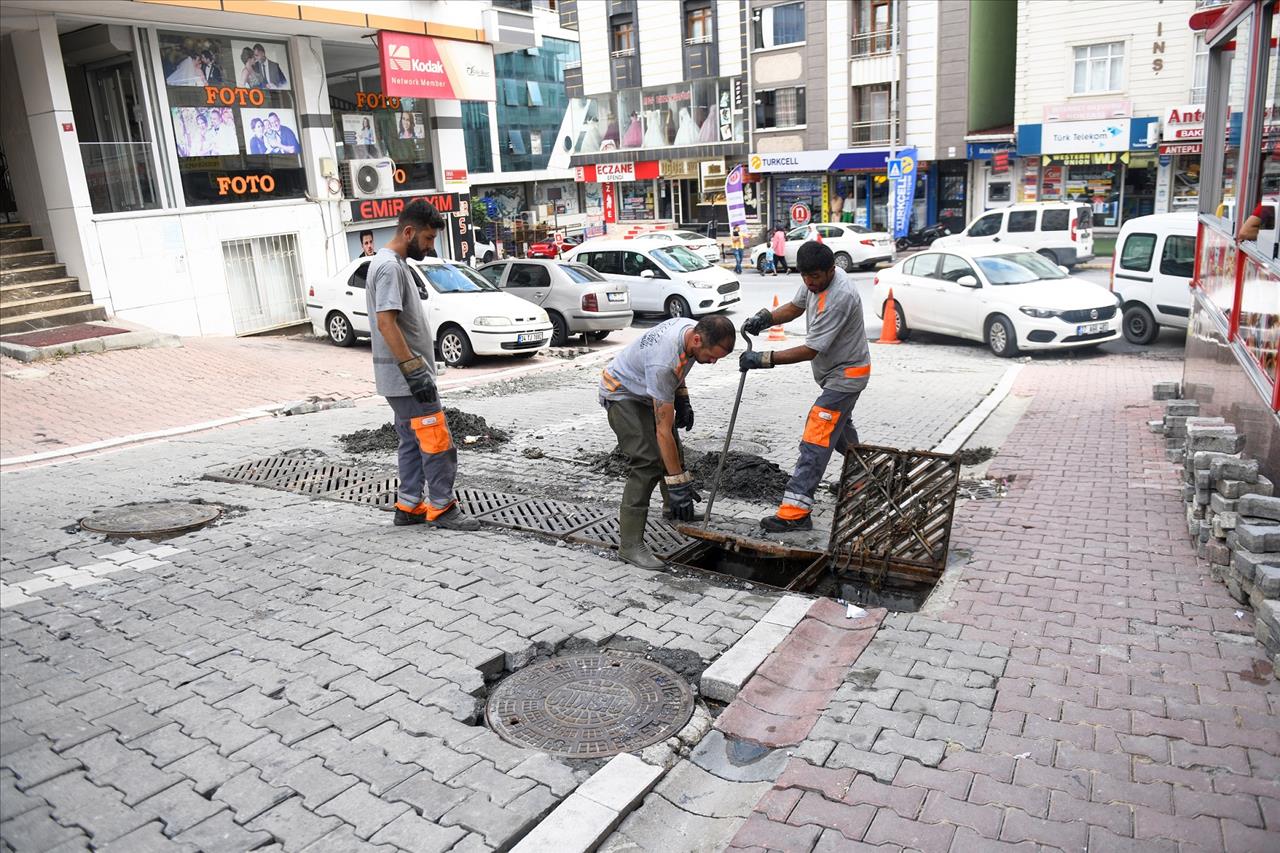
x: 390, y: 286
x: 651, y: 367
x: 837, y: 332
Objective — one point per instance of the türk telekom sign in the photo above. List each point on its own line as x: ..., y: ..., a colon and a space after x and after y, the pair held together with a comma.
x: 424, y: 67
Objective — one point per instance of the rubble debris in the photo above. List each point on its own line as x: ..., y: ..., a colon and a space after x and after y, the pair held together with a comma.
x: 746, y: 475
x: 470, y: 432
x: 975, y: 455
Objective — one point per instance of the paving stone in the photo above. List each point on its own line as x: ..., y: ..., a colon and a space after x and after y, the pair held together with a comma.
x: 927, y: 752
x: 207, y: 769
x: 577, y: 824
x: 487, y: 779
x: 248, y: 796
x: 427, y: 797
x: 621, y: 782
x: 882, y: 766
x: 344, y: 840
x: 146, y: 839
x: 99, y: 811
x: 294, y: 825
x: 179, y: 808
x: 221, y: 834
x: 547, y: 770
x: 35, y: 829
x: 887, y: 826
x: 362, y: 810
x: 478, y: 813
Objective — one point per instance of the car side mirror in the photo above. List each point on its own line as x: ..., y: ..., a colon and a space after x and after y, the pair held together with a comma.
x: 1065, y: 271
x: 967, y: 281
x: 646, y: 273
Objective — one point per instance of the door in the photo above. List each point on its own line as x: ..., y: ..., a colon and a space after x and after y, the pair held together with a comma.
x: 119, y: 161
x: 987, y: 228
x: 1133, y: 278
x: 647, y: 292
x: 609, y: 265
x: 795, y: 239
x: 916, y: 290
x: 1171, y: 289
x: 352, y: 299
x: 954, y: 307
x: 529, y: 281
x: 1020, y: 229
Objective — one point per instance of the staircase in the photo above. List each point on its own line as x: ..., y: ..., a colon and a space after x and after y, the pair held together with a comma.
x: 35, y: 290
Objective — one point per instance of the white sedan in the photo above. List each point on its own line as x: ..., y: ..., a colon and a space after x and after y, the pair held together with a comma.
x: 1009, y: 297
x: 853, y: 245
x: 704, y: 247
x: 468, y: 315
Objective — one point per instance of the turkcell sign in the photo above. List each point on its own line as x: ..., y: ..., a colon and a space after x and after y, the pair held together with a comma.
x: 902, y: 180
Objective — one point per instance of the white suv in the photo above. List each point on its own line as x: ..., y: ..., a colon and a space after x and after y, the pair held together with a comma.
x: 1061, y: 231
x: 662, y: 277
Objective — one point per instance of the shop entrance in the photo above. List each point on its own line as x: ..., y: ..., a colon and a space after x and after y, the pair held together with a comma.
x: 953, y: 191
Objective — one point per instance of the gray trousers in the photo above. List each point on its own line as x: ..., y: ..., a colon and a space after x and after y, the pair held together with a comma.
x: 828, y: 428
x: 428, y: 461
x: 637, y: 431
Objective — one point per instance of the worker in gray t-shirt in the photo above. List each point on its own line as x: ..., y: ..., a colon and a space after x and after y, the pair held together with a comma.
x: 837, y: 347
x: 404, y: 371
x: 644, y: 395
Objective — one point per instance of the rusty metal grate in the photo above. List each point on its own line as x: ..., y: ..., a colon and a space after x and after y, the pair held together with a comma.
x: 663, y: 539
x: 893, y: 513
x: 262, y: 472
x: 537, y: 515
x: 477, y: 502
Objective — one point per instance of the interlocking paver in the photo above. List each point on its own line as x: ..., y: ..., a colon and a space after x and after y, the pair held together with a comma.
x: 358, y: 807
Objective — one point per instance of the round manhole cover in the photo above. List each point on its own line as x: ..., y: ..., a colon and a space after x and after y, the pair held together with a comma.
x: 151, y: 519
x: 590, y: 705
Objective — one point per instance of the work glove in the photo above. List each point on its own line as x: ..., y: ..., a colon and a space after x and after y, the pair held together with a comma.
x: 681, y: 493
x: 684, y: 412
x: 755, y: 360
x: 758, y: 322
x: 422, y: 385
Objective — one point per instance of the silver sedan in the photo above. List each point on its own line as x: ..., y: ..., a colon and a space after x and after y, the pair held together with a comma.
x: 576, y: 298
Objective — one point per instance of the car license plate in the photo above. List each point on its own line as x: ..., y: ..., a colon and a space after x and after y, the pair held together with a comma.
x: 1091, y: 328
x: 617, y: 297
x: 529, y: 337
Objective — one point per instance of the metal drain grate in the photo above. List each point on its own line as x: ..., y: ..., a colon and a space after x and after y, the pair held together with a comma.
x: 477, y: 502
x: 556, y: 518
x: 663, y: 539
x: 261, y: 472
x: 380, y: 493
x: 323, y: 479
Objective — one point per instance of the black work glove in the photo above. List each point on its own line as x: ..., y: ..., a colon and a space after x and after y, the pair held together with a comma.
x: 758, y: 322
x: 681, y: 493
x: 684, y: 412
x: 755, y: 360
x: 422, y: 385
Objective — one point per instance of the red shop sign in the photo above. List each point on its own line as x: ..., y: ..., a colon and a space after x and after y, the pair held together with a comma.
x: 606, y: 198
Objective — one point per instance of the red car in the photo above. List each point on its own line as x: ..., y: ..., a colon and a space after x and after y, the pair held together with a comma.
x: 551, y: 249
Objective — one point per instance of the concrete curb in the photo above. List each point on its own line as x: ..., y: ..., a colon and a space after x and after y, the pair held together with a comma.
x: 960, y: 433
x: 127, y: 340
x: 724, y: 678
x: 595, y: 809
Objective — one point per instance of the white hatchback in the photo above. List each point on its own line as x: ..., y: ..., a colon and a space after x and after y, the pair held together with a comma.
x: 468, y: 315
x: 1010, y: 298
x: 853, y: 245
x: 661, y: 277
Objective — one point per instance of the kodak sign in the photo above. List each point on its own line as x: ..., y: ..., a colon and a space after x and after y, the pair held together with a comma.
x: 423, y: 67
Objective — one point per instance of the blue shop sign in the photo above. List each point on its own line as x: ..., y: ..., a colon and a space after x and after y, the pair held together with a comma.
x: 1030, y: 142
x: 987, y: 150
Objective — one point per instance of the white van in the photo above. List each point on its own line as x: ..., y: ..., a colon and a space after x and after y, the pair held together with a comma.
x: 1151, y: 273
x: 662, y: 277
x: 1061, y: 231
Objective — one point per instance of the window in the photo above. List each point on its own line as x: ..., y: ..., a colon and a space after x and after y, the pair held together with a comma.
x: 922, y: 265
x: 1137, y: 252
x: 264, y: 281
x: 528, y: 275
x: 624, y: 35
x: 1199, y: 70
x: 475, y: 135
x: 953, y: 269
x: 986, y: 226
x: 871, y: 113
x: 535, y: 93
x: 515, y: 142
x: 1055, y: 220
x: 780, y: 108
x: 609, y: 263
x: 1099, y: 68
x: 774, y: 26
x: 1022, y: 220
x: 358, y: 277
x: 697, y: 25
x: 1179, y: 256
x: 873, y: 29
x: 581, y: 274
x: 493, y: 273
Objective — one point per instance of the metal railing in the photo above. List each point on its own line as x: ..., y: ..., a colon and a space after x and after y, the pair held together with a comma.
x: 264, y: 280
x: 869, y: 131
x: 873, y: 43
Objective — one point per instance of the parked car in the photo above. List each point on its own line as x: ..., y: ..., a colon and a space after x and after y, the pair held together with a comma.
x: 853, y: 245
x: 552, y: 248
x: 1061, y: 231
x: 661, y: 277
x: 484, y: 250
x: 706, y: 247
x: 468, y: 315
x: 576, y: 297
x: 1012, y: 299
x: 1151, y: 273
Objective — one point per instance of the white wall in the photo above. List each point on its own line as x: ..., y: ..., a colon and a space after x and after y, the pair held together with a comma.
x: 729, y: 19
x: 661, y: 42
x: 593, y: 25
x: 920, y: 121
x: 838, y: 95
x: 1048, y: 31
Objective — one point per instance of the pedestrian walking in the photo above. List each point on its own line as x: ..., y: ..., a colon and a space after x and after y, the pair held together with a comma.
x: 404, y: 371
x: 836, y: 344
x: 779, y: 247
x: 736, y: 243
x: 643, y: 391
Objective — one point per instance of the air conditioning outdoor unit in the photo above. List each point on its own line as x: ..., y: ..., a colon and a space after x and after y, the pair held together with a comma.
x: 369, y: 178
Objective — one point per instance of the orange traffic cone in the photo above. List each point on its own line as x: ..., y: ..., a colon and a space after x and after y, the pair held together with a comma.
x: 776, y: 333
x: 889, y: 330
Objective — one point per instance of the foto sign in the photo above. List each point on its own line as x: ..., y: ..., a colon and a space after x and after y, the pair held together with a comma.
x: 424, y: 67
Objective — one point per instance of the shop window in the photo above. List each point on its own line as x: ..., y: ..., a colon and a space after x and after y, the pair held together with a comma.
x: 1098, y: 68
x: 1022, y: 220
x: 1232, y: 68
x: 872, y: 27
x: 233, y: 117
x: 780, y: 108
x: 871, y: 122
x: 635, y: 201
x: 1179, y: 256
x: 698, y: 25
x: 1137, y: 252
x: 699, y: 112
x: 775, y: 26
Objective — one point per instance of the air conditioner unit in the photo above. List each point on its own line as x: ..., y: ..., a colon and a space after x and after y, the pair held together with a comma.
x: 368, y: 178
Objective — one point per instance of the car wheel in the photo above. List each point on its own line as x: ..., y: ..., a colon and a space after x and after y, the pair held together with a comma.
x: 1048, y: 256
x: 844, y: 261
x: 339, y: 328
x: 455, y: 347
x: 678, y: 306
x: 599, y: 336
x: 1139, y: 325
x: 559, y: 330
x: 1001, y: 338
x: 899, y: 321
x: 488, y: 257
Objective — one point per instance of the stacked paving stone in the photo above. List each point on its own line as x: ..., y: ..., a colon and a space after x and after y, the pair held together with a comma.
x: 1232, y: 517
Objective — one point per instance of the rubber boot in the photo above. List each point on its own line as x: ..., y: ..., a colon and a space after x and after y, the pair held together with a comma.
x: 631, y: 533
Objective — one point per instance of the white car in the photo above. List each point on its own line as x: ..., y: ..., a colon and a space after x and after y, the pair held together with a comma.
x: 661, y: 277
x: 468, y: 315
x: 1009, y: 297
x: 1061, y: 231
x: 853, y: 245
x: 1151, y: 272
x: 708, y: 249
x: 577, y: 298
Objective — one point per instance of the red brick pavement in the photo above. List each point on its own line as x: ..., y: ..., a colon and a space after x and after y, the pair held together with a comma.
x: 1135, y: 712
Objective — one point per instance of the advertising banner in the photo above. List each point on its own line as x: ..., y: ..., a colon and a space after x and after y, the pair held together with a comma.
x: 733, y: 197
x: 607, y: 199
x: 425, y: 67
x: 902, y: 189
x: 1072, y: 137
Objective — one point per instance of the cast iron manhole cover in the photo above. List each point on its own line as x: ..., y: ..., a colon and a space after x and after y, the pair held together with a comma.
x: 590, y: 705
x: 151, y: 519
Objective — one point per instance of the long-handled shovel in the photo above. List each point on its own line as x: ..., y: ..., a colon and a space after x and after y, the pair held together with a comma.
x: 728, y: 437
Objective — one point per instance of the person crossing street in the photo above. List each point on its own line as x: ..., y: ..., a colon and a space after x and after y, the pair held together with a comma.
x: 644, y: 395
x: 836, y: 344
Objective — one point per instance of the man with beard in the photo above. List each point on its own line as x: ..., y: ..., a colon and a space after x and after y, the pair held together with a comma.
x: 404, y: 370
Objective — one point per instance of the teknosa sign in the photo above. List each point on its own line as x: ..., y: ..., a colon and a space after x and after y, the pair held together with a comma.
x: 425, y: 67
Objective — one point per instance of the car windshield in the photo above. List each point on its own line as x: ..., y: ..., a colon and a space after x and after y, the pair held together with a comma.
x: 688, y: 235
x: 581, y: 274
x: 449, y: 278
x: 1019, y: 268
x: 679, y: 259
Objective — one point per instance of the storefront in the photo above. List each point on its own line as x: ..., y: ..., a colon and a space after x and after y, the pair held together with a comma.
x: 993, y: 166
x: 1234, y: 335
x: 628, y: 193
x: 1178, y: 186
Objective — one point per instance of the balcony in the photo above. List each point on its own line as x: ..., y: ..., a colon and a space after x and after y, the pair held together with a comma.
x: 874, y: 132
x: 873, y: 43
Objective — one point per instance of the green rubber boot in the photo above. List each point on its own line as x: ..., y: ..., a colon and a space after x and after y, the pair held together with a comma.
x: 631, y: 531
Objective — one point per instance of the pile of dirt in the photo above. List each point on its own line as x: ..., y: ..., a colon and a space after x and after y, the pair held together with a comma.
x: 745, y: 475
x: 611, y: 464
x: 470, y: 432
x: 975, y: 455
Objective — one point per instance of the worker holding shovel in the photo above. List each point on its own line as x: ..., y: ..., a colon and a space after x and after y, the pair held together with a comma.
x: 837, y: 345
x: 644, y: 394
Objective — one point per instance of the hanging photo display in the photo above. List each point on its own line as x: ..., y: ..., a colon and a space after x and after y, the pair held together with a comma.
x: 270, y: 131
x: 205, y: 131
x: 411, y: 126
x: 260, y: 66
x: 360, y: 131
